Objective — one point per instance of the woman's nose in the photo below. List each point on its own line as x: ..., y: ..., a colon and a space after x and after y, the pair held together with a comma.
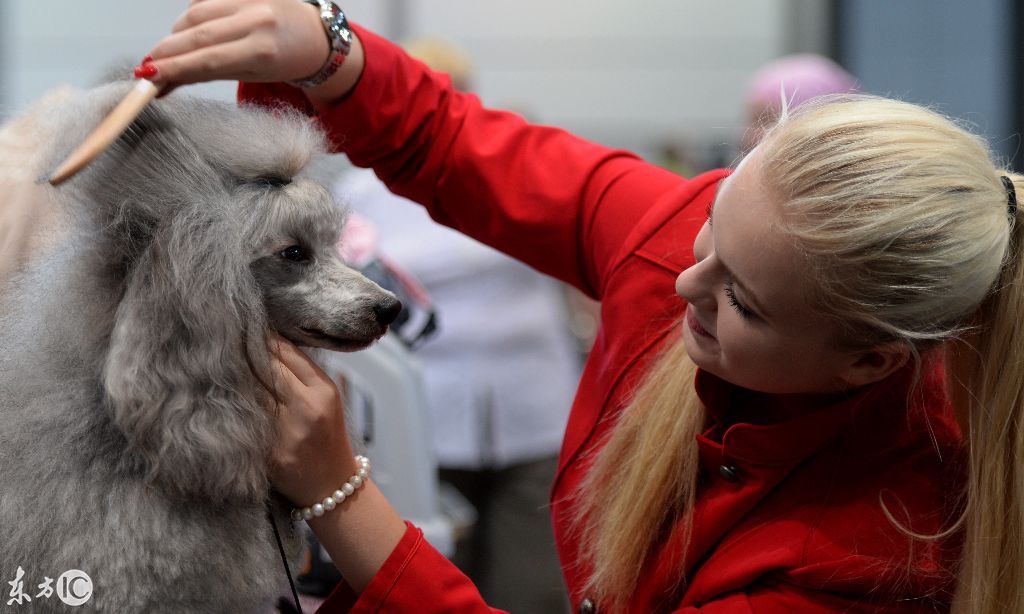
x: 697, y: 286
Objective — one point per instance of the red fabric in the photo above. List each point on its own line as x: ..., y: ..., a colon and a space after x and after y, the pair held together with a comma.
x: 801, y: 529
x: 394, y: 590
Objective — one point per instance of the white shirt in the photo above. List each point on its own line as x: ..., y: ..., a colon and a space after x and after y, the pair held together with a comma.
x: 502, y: 369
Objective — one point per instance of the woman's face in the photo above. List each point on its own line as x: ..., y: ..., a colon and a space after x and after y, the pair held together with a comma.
x: 748, y: 320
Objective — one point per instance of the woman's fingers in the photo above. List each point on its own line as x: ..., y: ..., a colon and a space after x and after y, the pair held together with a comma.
x: 304, y: 369
x: 233, y: 60
x: 202, y: 11
x: 251, y: 40
x: 285, y: 381
x: 201, y: 36
x: 311, y: 454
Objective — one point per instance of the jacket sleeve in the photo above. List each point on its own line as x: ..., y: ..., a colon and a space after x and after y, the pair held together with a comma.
x: 414, y: 578
x: 786, y: 598
x: 559, y: 203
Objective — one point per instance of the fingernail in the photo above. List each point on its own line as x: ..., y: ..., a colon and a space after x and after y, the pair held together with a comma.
x: 145, y: 71
x: 146, y: 60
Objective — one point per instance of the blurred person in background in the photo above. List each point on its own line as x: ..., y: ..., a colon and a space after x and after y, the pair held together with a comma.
x: 672, y: 155
x: 500, y: 374
x: 797, y: 78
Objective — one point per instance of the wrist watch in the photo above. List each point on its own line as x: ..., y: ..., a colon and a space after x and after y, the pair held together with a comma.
x: 339, y: 36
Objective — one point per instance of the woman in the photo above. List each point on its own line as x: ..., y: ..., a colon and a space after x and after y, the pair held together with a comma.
x: 773, y: 436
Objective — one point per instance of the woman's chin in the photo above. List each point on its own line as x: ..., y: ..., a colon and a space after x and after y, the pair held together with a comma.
x: 697, y: 349
x: 706, y: 361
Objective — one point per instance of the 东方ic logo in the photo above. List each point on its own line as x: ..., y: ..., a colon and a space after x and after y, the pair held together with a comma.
x: 74, y: 587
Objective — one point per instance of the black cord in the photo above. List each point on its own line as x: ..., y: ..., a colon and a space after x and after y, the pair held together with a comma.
x: 284, y: 557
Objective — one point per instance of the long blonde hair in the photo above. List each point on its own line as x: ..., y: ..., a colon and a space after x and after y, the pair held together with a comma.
x: 902, y: 218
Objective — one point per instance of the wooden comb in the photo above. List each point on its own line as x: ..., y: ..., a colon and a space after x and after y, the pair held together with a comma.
x: 107, y: 131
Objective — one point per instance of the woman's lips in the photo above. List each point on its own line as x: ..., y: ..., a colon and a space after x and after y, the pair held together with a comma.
x: 691, y: 320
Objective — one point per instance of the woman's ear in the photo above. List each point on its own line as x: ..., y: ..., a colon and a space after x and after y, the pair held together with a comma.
x: 184, y: 376
x: 875, y: 364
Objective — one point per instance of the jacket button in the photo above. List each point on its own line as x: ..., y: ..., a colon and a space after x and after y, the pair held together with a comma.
x: 587, y: 607
x: 729, y: 473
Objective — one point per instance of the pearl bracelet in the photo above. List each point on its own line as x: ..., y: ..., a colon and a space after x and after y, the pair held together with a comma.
x: 337, y: 497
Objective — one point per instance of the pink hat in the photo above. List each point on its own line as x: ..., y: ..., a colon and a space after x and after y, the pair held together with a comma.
x: 801, y: 77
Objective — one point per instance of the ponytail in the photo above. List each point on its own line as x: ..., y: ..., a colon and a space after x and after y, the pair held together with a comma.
x: 985, y: 372
x: 643, y: 479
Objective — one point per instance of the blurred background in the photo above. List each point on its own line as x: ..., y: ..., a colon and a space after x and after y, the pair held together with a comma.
x: 661, y: 77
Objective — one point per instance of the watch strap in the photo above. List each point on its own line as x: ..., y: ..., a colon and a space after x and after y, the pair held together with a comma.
x: 339, y: 36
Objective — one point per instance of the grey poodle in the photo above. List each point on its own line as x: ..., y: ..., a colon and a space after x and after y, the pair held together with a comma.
x: 136, y: 392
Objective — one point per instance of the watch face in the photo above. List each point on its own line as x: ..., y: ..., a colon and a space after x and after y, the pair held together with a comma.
x: 340, y: 35
x: 339, y: 30
x: 324, y: 6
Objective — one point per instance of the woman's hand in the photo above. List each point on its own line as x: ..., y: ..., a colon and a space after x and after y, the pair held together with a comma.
x: 312, y: 455
x: 244, y: 40
x: 251, y: 40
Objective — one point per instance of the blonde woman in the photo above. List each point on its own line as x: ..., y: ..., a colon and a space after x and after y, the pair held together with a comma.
x: 766, y: 422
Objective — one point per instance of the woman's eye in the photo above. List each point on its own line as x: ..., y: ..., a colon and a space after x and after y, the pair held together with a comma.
x: 294, y: 253
x: 737, y: 305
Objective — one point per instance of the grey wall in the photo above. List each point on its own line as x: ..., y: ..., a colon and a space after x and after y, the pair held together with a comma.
x: 624, y: 74
x: 629, y: 75
x: 46, y: 44
x: 956, y: 56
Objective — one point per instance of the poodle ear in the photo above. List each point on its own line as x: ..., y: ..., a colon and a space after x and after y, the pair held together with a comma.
x: 186, y: 373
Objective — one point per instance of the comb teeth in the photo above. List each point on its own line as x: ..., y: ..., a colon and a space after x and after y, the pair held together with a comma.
x: 106, y: 132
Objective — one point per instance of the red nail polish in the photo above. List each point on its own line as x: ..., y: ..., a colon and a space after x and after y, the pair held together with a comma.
x: 145, y: 71
x: 146, y: 60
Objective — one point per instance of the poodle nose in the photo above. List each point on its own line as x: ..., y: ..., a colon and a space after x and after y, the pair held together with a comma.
x: 387, y: 310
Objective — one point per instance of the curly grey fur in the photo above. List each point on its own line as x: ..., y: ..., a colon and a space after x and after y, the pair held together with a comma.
x: 135, y: 379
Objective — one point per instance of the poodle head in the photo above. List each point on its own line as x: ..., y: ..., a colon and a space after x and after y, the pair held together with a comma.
x: 311, y: 297
x: 209, y: 234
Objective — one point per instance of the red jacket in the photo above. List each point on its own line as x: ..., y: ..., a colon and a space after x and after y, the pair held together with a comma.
x: 788, y: 516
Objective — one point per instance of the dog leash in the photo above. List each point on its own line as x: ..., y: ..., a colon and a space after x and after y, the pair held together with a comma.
x: 284, y: 558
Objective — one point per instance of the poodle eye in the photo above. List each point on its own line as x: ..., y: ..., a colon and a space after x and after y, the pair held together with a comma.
x: 294, y: 253
x: 274, y: 182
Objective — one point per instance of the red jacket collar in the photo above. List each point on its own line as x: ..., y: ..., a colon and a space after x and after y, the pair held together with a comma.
x: 789, y: 440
